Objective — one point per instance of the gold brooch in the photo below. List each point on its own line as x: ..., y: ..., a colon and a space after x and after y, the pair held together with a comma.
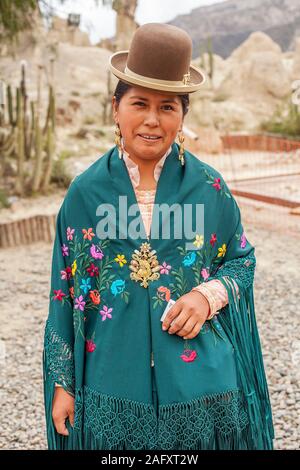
x: 186, y: 78
x: 144, y: 265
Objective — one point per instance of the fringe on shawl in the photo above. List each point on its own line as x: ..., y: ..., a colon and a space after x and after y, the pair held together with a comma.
x: 239, y: 322
x: 233, y: 420
x: 217, y: 421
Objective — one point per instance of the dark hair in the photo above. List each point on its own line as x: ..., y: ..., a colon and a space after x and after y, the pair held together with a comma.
x: 123, y: 87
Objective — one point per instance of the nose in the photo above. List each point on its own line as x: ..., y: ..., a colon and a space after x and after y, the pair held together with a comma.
x: 151, y: 119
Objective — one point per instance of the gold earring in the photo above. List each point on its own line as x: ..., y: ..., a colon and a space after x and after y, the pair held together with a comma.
x: 181, y: 148
x: 118, y: 140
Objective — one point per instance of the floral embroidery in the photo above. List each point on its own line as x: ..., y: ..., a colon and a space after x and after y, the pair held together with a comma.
x: 189, y: 355
x: 95, y: 296
x: 179, y: 287
x: 70, y: 233
x: 216, y: 184
x: 85, y: 286
x: 106, y: 312
x: 222, y: 250
x: 242, y: 238
x: 205, y: 273
x: 71, y: 290
x: 90, y: 346
x: 79, y: 303
x: 65, y: 250
x: 163, y: 294
x: 189, y: 259
x: 88, y: 234
x: 117, y: 287
x: 74, y: 267
x: 58, y: 295
x: 199, y: 240
x: 213, y: 239
x: 93, y: 270
x: 66, y: 274
x: 121, y: 260
x: 214, y: 327
x: 165, y: 268
x: 96, y: 252
x: 88, y: 292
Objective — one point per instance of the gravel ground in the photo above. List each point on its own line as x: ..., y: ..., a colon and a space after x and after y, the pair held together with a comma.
x: 25, y: 280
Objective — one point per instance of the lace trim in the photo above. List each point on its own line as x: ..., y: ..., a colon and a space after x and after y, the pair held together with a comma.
x: 115, y: 423
x: 59, y: 359
x: 240, y: 269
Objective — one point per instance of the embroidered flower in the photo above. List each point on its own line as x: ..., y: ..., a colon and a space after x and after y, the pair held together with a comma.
x: 71, y: 290
x: 96, y: 252
x: 165, y: 268
x: 90, y: 346
x: 65, y: 250
x: 199, y: 240
x: 93, y: 270
x: 70, y: 233
x: 213, y: 239
x: 205, y: 273
x: 216, y: 184
x: 74, y: 267
x: 66, y: 274
x: 95, y: 296
x: 79, y: 303
x: 85, y: 284
x: 105, y: 312
x: 117, y: 286
x: 58, y: 294
x: 88, y: 234
x: 189, y: 259
x: 121, y: 260
x: 243, y: 240
x: 164, y: 293
x: 189, y: 355
x: 222, y: 250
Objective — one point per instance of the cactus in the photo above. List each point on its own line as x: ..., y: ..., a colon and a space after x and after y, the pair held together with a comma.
x: 10, y: 106
x: 50, y: 143
x: 207, y: 65
x: 106, y: 100
x: 37, y: 173
x: 19, y: 186
x: 21, y: 133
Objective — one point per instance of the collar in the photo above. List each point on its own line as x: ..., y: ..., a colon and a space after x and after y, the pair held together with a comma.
x: 133, y: 168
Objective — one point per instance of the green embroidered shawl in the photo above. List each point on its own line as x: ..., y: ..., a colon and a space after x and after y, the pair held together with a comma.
x: 103, y: 325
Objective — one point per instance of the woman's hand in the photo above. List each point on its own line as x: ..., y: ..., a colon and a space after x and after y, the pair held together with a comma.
x: 62, y: 408
x: 187, y: 315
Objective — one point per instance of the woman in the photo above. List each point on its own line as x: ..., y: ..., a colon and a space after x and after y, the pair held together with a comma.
x: 151, y: 340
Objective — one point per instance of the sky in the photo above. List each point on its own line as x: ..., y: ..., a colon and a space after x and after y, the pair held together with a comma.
x: 99, y: 22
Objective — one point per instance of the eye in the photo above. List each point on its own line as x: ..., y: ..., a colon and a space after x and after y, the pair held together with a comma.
x: 168, y: 105
x: 138, y: 102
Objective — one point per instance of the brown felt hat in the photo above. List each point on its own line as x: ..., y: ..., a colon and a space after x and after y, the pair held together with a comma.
x: 158, y: 58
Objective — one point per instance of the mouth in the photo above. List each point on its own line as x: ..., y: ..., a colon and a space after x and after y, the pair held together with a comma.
x: 149, y: 138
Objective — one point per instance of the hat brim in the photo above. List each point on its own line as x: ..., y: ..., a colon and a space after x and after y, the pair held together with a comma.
x: 117, y: 64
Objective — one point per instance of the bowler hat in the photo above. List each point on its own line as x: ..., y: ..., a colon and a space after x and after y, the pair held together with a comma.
x: 158, y: 58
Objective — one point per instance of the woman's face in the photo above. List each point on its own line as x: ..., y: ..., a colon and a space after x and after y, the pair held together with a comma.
x: 143, y: 112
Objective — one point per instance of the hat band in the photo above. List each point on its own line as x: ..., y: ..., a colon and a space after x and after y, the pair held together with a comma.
x: 132, y: 74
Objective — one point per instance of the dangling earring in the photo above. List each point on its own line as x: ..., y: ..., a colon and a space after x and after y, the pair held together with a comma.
x: 118, y: 140
x: 181, y: 148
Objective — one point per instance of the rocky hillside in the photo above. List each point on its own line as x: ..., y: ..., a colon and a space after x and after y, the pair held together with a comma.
x: 229, y: 23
